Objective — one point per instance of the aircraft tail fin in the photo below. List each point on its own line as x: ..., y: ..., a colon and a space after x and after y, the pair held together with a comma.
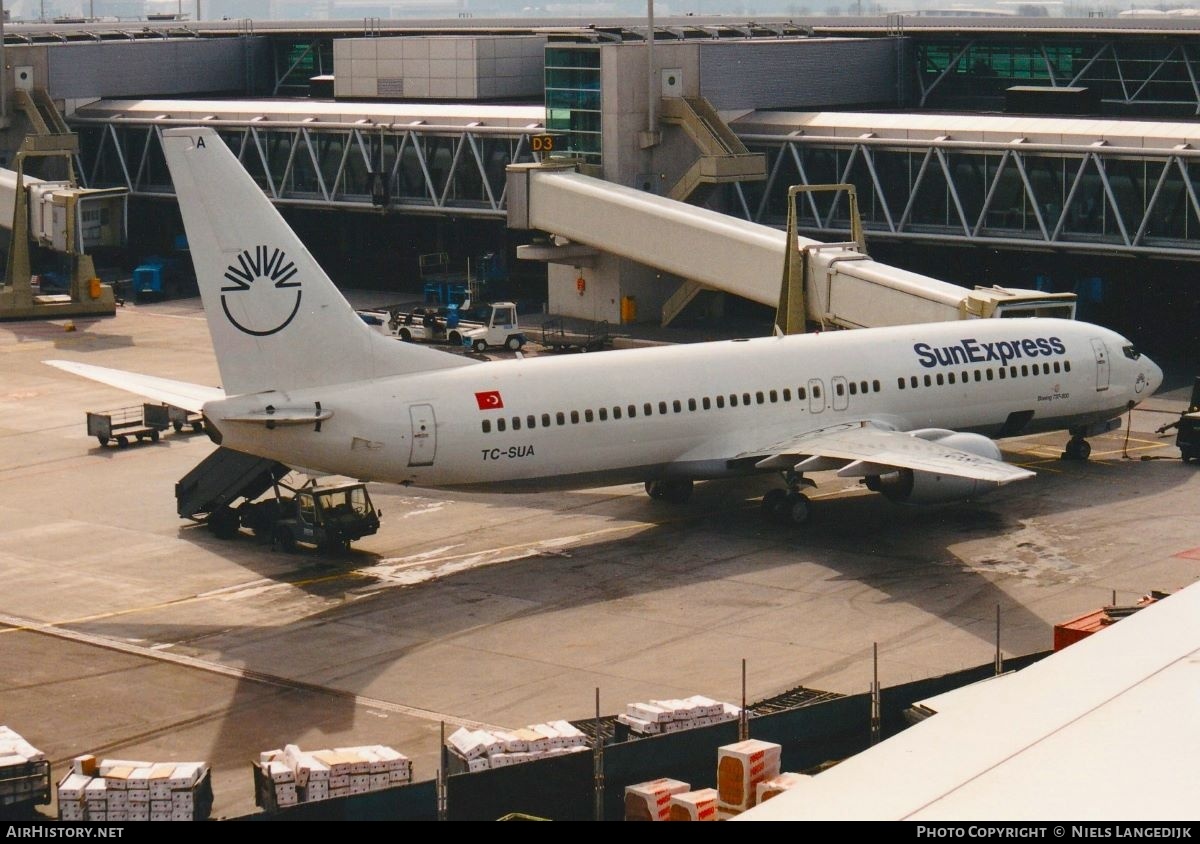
x: 276, y: 319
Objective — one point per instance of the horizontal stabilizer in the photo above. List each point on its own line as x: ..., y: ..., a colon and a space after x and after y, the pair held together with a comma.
x: 191, y: 397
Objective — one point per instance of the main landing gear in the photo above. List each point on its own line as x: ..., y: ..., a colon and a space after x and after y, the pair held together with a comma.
x: 674, y: 491
x: 788, y: 506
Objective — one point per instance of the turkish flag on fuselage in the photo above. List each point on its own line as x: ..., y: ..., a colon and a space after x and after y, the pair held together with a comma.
x: 490, y: 400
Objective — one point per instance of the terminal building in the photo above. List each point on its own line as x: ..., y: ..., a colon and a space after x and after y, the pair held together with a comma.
x: 1021, y: 152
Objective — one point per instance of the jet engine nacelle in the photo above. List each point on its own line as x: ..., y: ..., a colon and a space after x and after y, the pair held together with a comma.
x: 906, y: 486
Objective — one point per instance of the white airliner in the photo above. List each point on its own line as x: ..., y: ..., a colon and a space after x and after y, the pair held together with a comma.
x: 910, y: 410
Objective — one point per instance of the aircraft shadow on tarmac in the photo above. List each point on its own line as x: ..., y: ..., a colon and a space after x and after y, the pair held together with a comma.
x: 904, y: 554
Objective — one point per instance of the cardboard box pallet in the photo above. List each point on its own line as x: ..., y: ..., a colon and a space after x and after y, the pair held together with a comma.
x: 128, y: 790
x: 292, y: 776
x: 656, y: 717
x: 485, y: 749
x: 24, y: 771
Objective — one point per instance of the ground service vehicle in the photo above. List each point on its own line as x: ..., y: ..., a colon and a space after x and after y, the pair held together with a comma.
x: 328, y: 517
x: 500, y: 328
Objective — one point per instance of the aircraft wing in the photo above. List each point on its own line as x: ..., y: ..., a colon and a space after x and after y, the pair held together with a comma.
x: 181, y: 394
x: 857, y: 449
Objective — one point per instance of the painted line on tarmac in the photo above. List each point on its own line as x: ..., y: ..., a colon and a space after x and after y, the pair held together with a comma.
x: 147, y: 652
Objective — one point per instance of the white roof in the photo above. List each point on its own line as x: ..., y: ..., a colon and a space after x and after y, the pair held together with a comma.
x: 321, y: 112
x: 1107, y: 729
x: 971, y: 127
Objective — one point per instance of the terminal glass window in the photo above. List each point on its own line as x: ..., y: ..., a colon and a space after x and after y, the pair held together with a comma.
x: 573, y: 99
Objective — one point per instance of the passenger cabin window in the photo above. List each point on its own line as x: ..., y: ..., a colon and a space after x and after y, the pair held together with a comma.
x: 839, y: 388
x: 705, y: 403
x: 745, y: 398
x: 617, y: 412
x: 603, y: 414
x: 678, y: 408
x: 733, y: 399
x: 487, y: 426
x: 1066, y: 366
x: 1003, y: 376
x: 787, y: 394
x: 720, y: 401
x: 560, y: 418
x: 574, y: 417
x: 632, y: 410
x: 875, y: 386
x: 759, y: 397
x: 774, y: 396
x: 587, y: 416
x: 853, y: 389
x: 531, y: 421
x: 545, y: 420
x: 662, y: 406
x: 928, y: 380
x: 516, y: 423
x: 647, y: 409
x: 801, y: 394
x: 914, y: 382
x: 900, y: 382
x: 500, y: 424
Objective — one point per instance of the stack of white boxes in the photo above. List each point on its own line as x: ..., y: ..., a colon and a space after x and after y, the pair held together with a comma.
x: 23, y: 769
x: 669, y: 716
x: 307, y: 776
x: 126, y: 790
x: 740, y: 768
x: 484, y: 749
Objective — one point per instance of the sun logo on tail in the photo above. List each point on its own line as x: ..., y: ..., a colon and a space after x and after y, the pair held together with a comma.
x: 261, y: 309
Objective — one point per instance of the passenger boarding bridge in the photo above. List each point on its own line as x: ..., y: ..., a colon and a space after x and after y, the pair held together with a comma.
x: 1073, y: 185
x: 412, y: 158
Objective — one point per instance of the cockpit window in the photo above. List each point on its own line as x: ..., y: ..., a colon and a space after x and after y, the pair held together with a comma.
x: 1131, y: 352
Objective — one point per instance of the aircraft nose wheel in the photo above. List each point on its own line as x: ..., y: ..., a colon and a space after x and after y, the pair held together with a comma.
x: 1077, y: 449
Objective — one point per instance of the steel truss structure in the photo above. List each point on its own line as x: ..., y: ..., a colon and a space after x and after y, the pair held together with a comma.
x: 1068, y: 198
x: 1073, y: 198
x: 1127, y: 72
x: 416, y: 169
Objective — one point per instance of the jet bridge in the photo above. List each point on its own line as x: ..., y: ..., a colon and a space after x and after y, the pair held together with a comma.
x: 55, y: 215
x: 832, y: 284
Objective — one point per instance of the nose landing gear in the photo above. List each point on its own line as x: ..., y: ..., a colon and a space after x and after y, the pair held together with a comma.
x: 1077, y: 449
